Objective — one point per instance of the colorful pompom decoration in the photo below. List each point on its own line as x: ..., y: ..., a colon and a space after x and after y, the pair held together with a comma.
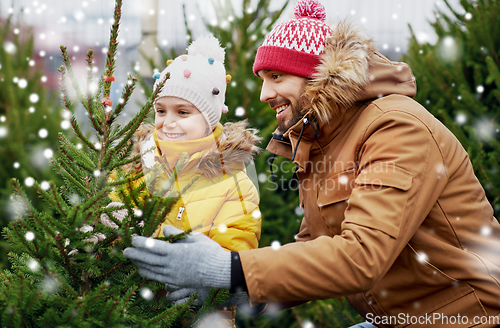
x: 106, y: 101
x: 170, y: 61
x: 184, y: 57
x: 187, y: 73
x: 211, y: 60
x: 310, y: 8
x: 228, y: 78
x: 109, y: 78
x: 225, y: 109
x: 156, y: 76
x: 215, y: 91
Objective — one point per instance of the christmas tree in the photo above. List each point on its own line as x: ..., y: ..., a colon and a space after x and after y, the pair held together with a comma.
x: 30, y: 117
x: 458, y: 80
x: 67, y: 264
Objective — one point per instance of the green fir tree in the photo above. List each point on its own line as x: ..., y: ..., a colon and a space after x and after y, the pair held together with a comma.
x: 458, y: 80
x: 30, y: 117
x: 67, y: 264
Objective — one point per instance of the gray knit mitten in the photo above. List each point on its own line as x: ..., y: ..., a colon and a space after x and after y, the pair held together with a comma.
x: 178, y: 295
x: 196, y: 261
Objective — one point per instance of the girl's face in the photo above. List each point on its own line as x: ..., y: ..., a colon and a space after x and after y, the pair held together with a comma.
x: 178, y: 120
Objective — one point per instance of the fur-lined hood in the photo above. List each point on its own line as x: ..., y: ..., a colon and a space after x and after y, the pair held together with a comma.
x: 235, y: 147
x: 351, y: 70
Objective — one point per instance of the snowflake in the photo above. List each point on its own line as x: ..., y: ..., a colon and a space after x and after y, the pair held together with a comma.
x: 222, y: 228
x: 239, y: 112
x: 34, y: 97
x: 29, y: 181
x: 256, y: 214
x: 43, y: 133
x: 275, y: 245
x: 30, y: 236
x: 146, y: 293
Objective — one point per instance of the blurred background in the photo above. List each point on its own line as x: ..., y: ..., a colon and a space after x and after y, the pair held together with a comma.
x: 452, y: 46
x: 153, y: 24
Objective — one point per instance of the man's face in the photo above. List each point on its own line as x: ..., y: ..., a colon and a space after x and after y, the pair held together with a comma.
x: 283, y: 92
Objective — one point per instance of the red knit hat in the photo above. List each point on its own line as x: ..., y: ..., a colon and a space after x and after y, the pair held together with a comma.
x: 295, y: 46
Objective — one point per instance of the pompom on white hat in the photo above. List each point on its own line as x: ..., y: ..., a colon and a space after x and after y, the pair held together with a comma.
x: 198, y: 77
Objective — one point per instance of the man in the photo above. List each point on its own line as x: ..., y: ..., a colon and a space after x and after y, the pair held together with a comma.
x: 394, y: 218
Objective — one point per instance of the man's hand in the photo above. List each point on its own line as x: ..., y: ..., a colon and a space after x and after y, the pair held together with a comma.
x: 196, y: 261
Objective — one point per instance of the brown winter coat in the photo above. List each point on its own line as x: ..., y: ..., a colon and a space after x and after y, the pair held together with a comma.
x: 394, y: 217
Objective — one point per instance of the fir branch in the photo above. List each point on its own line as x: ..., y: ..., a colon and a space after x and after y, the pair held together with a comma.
x: 67, y: 288
x: 51, y: 199
x: 127, y: 180
x: 481, y: 168
x: 125, y: 162
x: 113, y: 44
x: 69, y: 68
x: 66, y: 260
x: 64, y: 89
x: 80, y: 134
x: 22, y: 240
x: 95, y: 199
x: 72, y: 160
x: 174, y: 311
x: 69, y: 168
x: 68, y: 176
x: 113, y: 269
x: 111, y: 311
x: 30, y: 210
x: 90, y: 59
x: 493, y: 70
x: 125, y: 98
x: 82, y: 156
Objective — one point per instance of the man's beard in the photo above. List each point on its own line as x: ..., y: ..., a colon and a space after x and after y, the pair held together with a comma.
x: 298, y: 112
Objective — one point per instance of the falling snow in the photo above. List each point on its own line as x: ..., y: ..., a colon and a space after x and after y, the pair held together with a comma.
x: 486, y: 231
x: 29, y: 181
x: 30, y: 236
x: 48, y: 153
x: 22, y: 83
x: 299, y: 211
x: 43, y: 133
x: 461, y: 119
x: 422, y: 257
x: 45, y: 185
x: 256, y: 214
x: 150, y: 243
x: 275, y: 245
x: 239, y: 112
x: 33, y: 265
x: 146, y: 293
x: 34, y: 98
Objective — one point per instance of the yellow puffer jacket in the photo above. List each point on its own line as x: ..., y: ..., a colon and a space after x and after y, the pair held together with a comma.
x: 223, y: 202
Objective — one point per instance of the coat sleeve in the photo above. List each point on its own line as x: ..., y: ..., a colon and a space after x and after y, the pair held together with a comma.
x: 397, y: 183
x: 237, y: 225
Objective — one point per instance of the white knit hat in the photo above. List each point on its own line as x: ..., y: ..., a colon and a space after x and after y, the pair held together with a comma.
x: 198, y: 77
